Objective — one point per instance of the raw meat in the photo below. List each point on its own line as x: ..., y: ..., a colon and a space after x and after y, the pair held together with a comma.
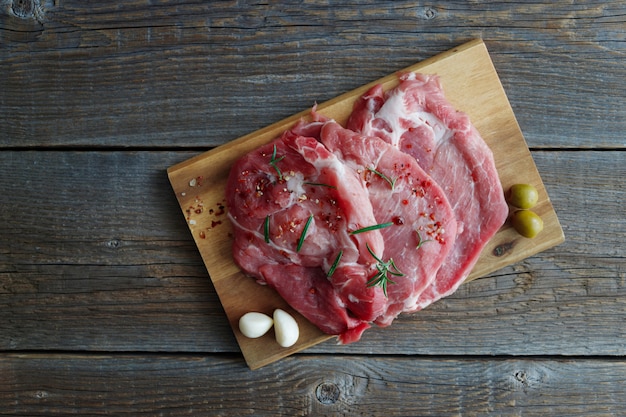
x: 421, y: 225
x: 293, y: 205
x: 416, y: 118
x: 311, y: 293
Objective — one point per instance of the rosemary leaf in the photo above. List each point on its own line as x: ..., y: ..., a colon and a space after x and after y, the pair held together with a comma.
x: 331, y: 271
x: 381, y: 278
x: 367, y: 245
x: 303, y: 235
x: 266, y: 229
x: 370, y: 228
x: 391, y: 182
x: 273, y: 162
x: 320, y: 184
x: 420, y: 241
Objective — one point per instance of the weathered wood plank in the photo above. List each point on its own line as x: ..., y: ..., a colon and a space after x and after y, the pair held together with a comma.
x: 94, y: 248
x: 239, y: 294
x: 95, y: 255
x: 542, y: 304
x: 308, y: 385
x: 85, y: 73
x: 96, y: 259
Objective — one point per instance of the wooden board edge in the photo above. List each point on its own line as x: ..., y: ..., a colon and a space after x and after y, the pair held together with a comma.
x: 284, y: 124
x: 267, y: 134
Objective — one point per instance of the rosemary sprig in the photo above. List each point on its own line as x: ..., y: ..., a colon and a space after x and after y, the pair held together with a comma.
x: 392, y: 182
x: 331, y: 271
x: 420, y: 241
x: 266, y: 229
x: 303, y: 234
x: 370, y: 228
x: 381, y: 279
x: 273, y: 162
x: 319, y: 184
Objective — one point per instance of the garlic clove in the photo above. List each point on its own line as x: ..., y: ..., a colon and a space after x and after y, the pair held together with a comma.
x: 255, y: 324
x: 285, y: 328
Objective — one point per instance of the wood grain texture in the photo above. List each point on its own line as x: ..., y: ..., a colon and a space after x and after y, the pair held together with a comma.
x: 193, y: 74
x: 98, y: 98
x: 119, y: 272
x: 309, y: 386
x: 471, y: 85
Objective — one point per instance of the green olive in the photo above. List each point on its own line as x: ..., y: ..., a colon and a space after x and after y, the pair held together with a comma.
x: 527, y: 223
x: 523, y: 196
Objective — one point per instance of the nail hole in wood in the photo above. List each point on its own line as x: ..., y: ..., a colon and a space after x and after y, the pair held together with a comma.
x: 113, y: 243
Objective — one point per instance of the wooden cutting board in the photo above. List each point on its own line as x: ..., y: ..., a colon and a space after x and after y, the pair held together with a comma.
x: 470, y: 82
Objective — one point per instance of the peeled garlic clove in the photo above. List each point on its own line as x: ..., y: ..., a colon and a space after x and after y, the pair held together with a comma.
x: 285, y: 328
x: 255, y: 324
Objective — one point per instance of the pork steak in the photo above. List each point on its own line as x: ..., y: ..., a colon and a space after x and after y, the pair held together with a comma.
x: 420, y: 224
x: 293, y: 206
x: 416, y: 118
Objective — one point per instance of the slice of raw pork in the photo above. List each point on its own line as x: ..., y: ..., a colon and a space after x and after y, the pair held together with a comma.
x: 416, y: 118
x: 293, y: 205
x: 420, y: 224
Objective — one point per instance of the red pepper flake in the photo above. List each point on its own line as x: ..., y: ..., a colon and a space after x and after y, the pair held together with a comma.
x: 215, y: 223
x: 405, y: 202
x: 202, y: 234
x: 398, y: 221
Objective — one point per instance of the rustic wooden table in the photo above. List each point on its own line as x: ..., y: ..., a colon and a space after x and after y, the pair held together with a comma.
x: 105, y: 305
